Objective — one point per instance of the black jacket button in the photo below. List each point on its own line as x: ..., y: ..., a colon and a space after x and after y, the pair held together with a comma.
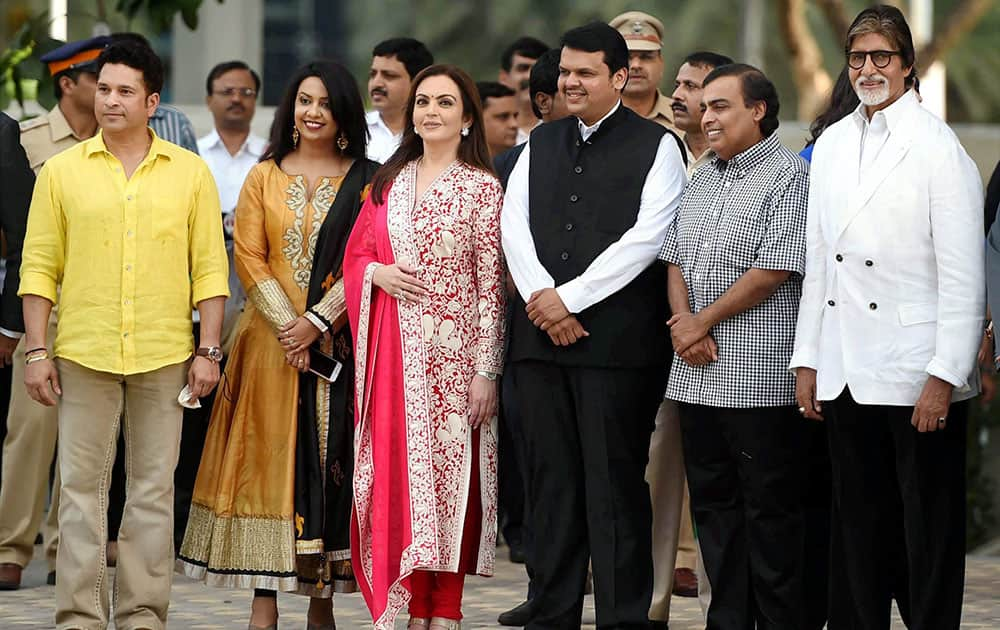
x: 869, y: 263
x: 564, y: 255
x: 831, y: 302
x: 574, y: 198
x: 840, y: 258
x: 578, y: 170
x: 873, y: 306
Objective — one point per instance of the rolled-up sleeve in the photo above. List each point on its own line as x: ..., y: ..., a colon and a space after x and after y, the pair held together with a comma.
x: 43, y: 258
x: 956, y: 202
x: 209, y: 263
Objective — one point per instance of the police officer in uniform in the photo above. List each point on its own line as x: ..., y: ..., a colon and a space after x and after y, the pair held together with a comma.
x: 31, y: 434
x: 74, y: 71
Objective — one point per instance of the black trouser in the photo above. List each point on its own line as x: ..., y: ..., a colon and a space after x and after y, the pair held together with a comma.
x: 746, y: 475
x: 819, y: 570
x: 510, y: 480
x: 899, y: 500
x: 193, y: 433
x: 513, y: 470
x: 587, y: 443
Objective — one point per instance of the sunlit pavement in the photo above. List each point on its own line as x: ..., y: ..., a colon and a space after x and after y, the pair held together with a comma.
x: 193, y: 605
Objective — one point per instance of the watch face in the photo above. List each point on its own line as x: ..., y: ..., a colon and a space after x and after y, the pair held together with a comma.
x: 215, y: 354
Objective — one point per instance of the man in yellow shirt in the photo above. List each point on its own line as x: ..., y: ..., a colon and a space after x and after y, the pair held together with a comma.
x: 128, y: 228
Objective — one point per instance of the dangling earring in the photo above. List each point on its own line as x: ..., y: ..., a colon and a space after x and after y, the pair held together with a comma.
x: 295, y: 136
x: 465, y: 132
x: 342, y: 142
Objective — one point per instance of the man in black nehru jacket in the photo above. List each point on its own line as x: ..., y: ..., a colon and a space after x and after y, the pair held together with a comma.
x: 587, y: 207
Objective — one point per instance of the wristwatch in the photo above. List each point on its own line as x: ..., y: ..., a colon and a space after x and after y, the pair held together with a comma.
x: 212, y: 353
x: 490, y: 376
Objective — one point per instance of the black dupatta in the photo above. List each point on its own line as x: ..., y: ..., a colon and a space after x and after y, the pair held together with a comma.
x: 323, y: 497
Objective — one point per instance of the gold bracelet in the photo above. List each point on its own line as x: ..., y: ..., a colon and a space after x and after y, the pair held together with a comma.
x: 36, y: 358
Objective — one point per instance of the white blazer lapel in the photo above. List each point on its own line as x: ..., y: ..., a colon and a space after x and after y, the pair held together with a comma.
x: 892, y: 153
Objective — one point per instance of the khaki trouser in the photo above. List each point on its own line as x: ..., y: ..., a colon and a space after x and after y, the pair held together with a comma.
x: 27, y: 455
x: 89, y: 410
x: 673, y: 535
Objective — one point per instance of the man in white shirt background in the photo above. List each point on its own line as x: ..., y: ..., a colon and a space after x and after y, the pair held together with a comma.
x: 231, y: 150
x: 394, y: 64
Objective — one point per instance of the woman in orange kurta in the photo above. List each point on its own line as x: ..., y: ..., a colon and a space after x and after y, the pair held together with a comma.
x: 271, y: 503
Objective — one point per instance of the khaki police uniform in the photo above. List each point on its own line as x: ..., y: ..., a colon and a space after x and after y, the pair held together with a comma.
x: 30, y: 444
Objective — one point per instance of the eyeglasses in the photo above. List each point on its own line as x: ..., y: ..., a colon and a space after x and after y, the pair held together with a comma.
x: 230, y: 92
x: 881, y: 58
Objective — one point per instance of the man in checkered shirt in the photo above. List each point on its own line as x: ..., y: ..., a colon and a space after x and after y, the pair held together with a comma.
x: 735, y: 255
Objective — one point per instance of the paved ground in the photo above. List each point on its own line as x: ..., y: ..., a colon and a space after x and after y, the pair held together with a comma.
x: 196, y: 606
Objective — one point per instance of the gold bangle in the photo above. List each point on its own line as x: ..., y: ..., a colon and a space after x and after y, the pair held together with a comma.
x: 36, y: 358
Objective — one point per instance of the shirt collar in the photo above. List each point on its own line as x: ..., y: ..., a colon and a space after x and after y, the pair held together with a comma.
x: 251, y: 145
x: 890, y: 115
x: 662, y: 108
x: 59, y: 126
x: 212, y: 139
x: 751, y: 157
x: 374, y: 118
x: 586, y: 132
x: 157, y: 148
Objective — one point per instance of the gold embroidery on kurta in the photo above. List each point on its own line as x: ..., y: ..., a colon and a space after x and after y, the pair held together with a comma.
x: 270, y: 299
x: 299, y: 247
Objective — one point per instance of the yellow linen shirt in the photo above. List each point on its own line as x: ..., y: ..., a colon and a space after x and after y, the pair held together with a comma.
x: 126, y: 259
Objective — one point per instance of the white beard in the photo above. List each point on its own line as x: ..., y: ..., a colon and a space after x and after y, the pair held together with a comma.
x: 872, y: 97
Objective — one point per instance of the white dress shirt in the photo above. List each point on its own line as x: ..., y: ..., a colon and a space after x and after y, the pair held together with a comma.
x: 230, y: 171
x: 382, y: 143
x: 874, y: 133
x: 623, y: 260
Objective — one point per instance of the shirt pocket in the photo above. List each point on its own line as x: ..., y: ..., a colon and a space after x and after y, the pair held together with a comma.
x: 739, y: 236
x: 913, y: 314
x: 913, y: 343
x: 169, y: 220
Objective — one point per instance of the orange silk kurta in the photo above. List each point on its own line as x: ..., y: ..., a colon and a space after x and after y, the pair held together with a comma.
x: 242, y: 531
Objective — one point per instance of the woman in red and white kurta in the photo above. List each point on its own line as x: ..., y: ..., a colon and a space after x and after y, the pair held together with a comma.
x: 423, y: 277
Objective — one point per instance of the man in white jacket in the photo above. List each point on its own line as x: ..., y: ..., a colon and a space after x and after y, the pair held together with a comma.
x: 889, y: 324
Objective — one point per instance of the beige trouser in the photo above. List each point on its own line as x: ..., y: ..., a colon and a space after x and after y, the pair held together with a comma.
x: 27, y: 455
x: 673, y: 535
x: 89, y: 410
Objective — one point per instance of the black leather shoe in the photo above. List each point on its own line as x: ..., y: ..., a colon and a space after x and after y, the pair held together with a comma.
x: 517, y: 555
x: 520, y: 615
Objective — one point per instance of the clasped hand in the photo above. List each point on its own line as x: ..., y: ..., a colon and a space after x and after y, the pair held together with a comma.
x: 546, y: 310
x: 691, y: 340
x: 295, y: 338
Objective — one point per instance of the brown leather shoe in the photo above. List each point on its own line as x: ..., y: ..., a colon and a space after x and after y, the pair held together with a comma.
x: 10, y: 576
x: 685, y: 583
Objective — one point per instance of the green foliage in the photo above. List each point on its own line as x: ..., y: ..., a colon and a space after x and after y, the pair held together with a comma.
x: 161, y: 12
x: 472, y: 33
x: 22, y: 76
x: 980, y: 509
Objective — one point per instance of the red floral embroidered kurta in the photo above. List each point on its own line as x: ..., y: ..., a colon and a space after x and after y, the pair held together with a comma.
x: 415, y: 451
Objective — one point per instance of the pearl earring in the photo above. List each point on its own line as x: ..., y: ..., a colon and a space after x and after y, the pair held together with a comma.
x: 465, y: 132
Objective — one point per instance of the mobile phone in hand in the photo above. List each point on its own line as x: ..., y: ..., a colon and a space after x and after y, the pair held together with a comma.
x: 323, y: 365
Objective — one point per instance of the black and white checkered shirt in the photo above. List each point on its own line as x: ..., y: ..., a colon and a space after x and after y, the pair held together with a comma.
x: 749, y: 212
